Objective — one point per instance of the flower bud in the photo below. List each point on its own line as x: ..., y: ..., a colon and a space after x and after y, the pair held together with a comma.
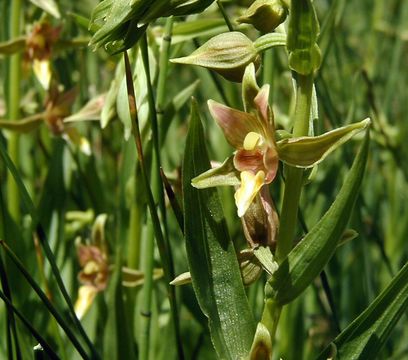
x: 228, y: 54
x: 265, y: 15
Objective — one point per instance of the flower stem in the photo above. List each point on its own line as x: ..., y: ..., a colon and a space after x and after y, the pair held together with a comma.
x: 294, y: 176
x: 14, y: 107
x: 268, y: 41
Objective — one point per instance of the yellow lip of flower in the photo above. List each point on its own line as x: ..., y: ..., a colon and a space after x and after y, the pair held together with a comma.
x: 250, y: 185
x: 86, y: 296
x: 42, y: 70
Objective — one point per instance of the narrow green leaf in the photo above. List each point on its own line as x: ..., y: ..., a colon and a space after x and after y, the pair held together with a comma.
x: 310, y: 256
x: 365, y: 336
x: 51, y: 308
x: 117, y: 338
x: 308, y: 151
x: 213, y: 264
x: 47, y: 348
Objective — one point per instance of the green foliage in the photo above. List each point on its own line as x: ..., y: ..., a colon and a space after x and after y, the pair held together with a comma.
x: 213, y: 265
x: 84, y: 137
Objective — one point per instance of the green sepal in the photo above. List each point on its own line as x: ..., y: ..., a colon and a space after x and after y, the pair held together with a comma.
x: 49, y: 6
x: 22, y: 126
x: 262, y: 345
x: 266, y: 258
x: 250, y: 88
x: 308, y: 151
x: 224, y: 175
x: 313, y: 252
x: 13, y: 46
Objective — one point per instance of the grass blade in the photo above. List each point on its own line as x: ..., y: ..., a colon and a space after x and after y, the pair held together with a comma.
x: 365, y: 336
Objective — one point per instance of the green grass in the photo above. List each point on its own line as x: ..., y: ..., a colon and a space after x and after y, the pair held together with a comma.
x: 60, y: 191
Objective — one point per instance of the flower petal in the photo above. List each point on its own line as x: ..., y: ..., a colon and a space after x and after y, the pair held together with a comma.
x: 234, y: 123
x: 42, y: 70
x: 86, y: 296
x: 250, y: 185
x: 308, y: 151
x: 223, y: 175
x: 249, y: 160
x: 264, y: 112
x: 271, y: 163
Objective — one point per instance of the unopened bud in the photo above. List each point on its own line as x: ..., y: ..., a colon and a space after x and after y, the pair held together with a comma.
x: 228, y: 54
x: 265, y: 15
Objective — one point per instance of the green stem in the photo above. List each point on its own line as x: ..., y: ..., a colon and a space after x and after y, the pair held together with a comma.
x: 160, y: 101
x: 294, y: 176
x: 163, y: 65
x: 270, y: 317
x: 150, y: 199
x: 268, y: 41
x: 14, y: 107
x: 225, y: 15
x: 147, y: 290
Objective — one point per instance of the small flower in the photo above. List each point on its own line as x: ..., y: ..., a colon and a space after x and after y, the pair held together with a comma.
x: 251, y: 134
x: 40, y: 43
x: 94, y: 274
x: 254, y: 164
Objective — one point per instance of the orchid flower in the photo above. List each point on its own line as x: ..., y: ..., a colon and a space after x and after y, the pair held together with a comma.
x: 254, y: 164
x: 251, y: 134
x: 94, y: 274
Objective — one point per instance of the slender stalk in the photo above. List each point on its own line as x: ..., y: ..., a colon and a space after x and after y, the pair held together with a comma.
x: 163, y: 64
x: 268, y: 41
x: 14, y: 107
x: 136, y: 134
x: 270, y: 316
x: 225, y: 15
x: 147, y: 293
x: 294, y: 177
x: 157, y: 185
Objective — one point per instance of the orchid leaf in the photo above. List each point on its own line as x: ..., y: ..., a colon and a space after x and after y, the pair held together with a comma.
x: 124, y: 22
x: 366, y: 335
x: 224, y: 175
x: 213, y: 264
x: 309, y: 151
x: 311, y: 254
